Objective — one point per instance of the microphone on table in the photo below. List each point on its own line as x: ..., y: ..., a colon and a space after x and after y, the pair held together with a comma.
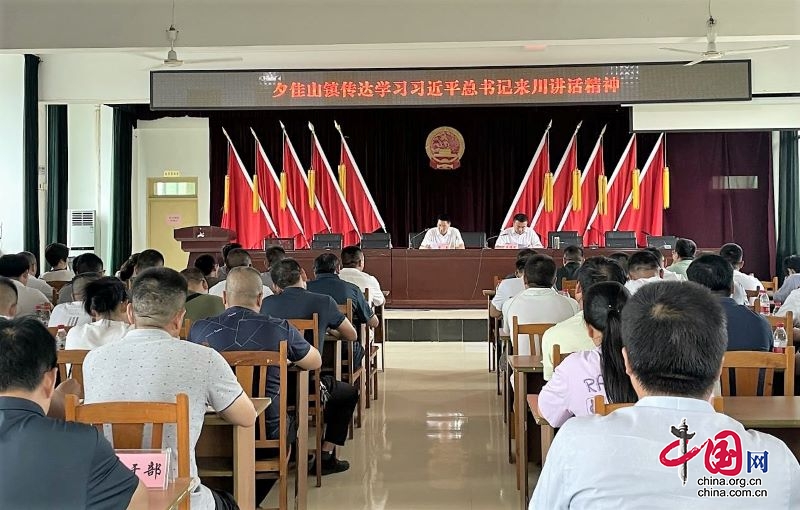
x: 493, y: 238
x: 413, y: 238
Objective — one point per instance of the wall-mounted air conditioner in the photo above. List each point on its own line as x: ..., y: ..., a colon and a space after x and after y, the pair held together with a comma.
x: 81, y: 231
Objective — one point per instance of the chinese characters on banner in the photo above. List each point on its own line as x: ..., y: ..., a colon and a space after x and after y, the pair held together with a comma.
x: 558, y: 86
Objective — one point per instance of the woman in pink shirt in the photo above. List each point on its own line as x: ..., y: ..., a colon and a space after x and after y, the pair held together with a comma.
x: 600, y: 371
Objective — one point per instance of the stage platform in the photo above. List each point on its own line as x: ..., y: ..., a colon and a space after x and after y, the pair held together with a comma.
x: 412, y: 325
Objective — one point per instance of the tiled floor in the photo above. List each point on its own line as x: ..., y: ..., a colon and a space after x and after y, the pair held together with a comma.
x: 434, y: 439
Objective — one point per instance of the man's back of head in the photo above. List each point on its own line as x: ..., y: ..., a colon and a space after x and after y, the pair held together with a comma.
x: 195, y: 280
x: 596, y: 270
x: 674, y: 336
x: 149, y: 259
x: 685, y: 248
x: 712, y: 272
x: 206, y: 264
x: 27, y: 355
x: 657, y: 253
x: 13, y: 266
x: 80, y: 282
x: 8, y: 297
x: 540, y: 271
x: 643, y: 264
x: 286, y: 273
x: 56, y: 254
x: 158, y: 297
x: 327, y: 263
x: 352, y: 257
x: 87, y: 263
x: 244, y: 288
x: 31, y: 258
x: 237, y: 257
x: 274, y: 255
x: 573, y: 254
x: 733, y: 254
x: 526, y: 252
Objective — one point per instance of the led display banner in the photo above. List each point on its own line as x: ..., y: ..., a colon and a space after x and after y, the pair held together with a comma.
x: 338, y: 88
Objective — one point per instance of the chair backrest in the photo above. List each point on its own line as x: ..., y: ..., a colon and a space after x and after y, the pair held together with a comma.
x: 751, y: 294
x: 770, y: 285
x: 602, y: 409
x: 788, y: 323
x: 70, y: 364
x: 570, y: 286
x: 184, y: 333
x: 54, y: 329
x: 127, y: 420
x: 246, y: 364
x: 57, y: 286
x: 558, y: 357
x: 746, y: 367
x: 312, y: 324
x: 347, y: 309
x: 534, y: 332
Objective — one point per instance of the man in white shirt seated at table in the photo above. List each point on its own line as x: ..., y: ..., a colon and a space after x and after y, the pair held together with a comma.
x: 352, y: 271
x: 33, y: 282
x: 538, y: 303
x: 15, y: 267
x: 643, y: 268
x: 237, y: 257
x: 519, y: 235
x: 734, y: 254
x: 74, y: 313
x: 674, y: 338
x: 572, y: 335
x: 509, y: 287
x: 443, y: 237
x: 666, y: 274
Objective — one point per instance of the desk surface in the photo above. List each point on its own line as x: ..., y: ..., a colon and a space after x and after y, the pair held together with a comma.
x: 165, y: 499
x: 526, y: 363
x: 764, y: 412
x: 260, y: 404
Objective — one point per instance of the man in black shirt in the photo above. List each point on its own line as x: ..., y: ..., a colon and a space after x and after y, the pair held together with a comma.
x: 573, y: 258
x: 48, y: 463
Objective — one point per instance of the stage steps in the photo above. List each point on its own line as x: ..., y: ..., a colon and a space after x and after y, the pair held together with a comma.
x: 436, y: 325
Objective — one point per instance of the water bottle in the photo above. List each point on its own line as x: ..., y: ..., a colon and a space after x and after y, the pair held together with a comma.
x: 763, y: 302
x: 776, y: 308
x: 779, y: 339
x: 61, y: 337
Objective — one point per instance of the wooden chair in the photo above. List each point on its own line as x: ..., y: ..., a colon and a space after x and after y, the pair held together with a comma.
x: 788, y: 325
x: 751, y: 294
x: 314, y: 401
x: 371, y: 360
x: 128, y: 419
x: 770, y: 285
x: 557, y: 356
x: 603, y: 409
x: 353, y: 375
x: 187, y: 326
x: 570, y: 286
x: 534, y: 332
x: 57, y: 286
x: 746, y: 367
x: 246, y: 364
x: 70, y: 364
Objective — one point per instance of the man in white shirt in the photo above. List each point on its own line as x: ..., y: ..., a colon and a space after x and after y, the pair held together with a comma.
x: 571, y: 335
x: 56, y: 255
x: 643, y: 268
x: 443, y: 237
x: 666, y: 274
x: 509, y: 287
x: 151, y: 364
x: 734, y: 254
x: 8, y: 298
x: 15, y: 267
x: 34, y: 282
x: 671, y: 449
x: 73, y: 313
x: 237, y: 257
x: 353, y: 271
x: 519, y: 235
x: 539, y: 303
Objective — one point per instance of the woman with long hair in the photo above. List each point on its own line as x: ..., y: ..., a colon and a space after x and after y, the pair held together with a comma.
x: 106, y: 300
x: 600, y: 371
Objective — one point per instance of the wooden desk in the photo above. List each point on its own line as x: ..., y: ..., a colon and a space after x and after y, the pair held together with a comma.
x: 777, y: 416
x: 169, y: 498
x: 547, y: 430
x: 523, y: 367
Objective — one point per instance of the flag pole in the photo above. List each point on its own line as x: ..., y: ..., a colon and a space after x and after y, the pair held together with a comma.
x: 526, y: 178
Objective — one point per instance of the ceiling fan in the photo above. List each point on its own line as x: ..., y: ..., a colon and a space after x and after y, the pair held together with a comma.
x: 172, y: 59
x: 711, y: 52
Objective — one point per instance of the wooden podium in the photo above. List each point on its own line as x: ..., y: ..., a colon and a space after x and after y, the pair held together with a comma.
x: 198, y: 240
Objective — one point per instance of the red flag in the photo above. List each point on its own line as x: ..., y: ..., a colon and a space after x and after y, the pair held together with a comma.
x: 548, y: 215
x: 530, y: 191
x: 356, y: 193
x: 244, y: 212
x: 309, y: 210
x: 269, y: 187
x: 618, y: 188
x: 330, y: 196
x: 643, y: 211
x: 584, y: 192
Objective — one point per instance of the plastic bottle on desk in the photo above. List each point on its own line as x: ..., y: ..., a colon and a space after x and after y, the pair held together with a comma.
x: 61, y: 337
x: 763, y: 302
x: 779, y: 339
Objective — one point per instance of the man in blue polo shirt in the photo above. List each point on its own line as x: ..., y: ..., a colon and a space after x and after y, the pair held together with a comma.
x: 48, y: 463
x: 747, y: 331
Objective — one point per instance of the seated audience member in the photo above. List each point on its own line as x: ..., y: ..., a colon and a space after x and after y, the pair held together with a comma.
x: 8, y: 298
x: 106, y: 301
x: 295, y: 302
x: 353, y: 271
x: 734, y: 254
x: 222, y: 272
x: 146, y: 260
x: 125, y: 272
x: 573, y: 258
x: 74, y: 314
x: 539, y: 302
x: 674, y: 339
x: 508, y: 288
x: 747, y: 330
x: 82, y: 264
x: 327, y: 282
x: 682, y: 256
x: 599, y: 371
x: 791, y: 265
x: 237, y: 257
x: 643, y: 268
x: 150, y: 364
x: 572, y: 334
x: 49, y: 463
x: 621, y: 259
x: 519, y: 235
x: 56, y: 255
x: 199, y: 304
x: 15, y: 267
x: 525, y: 252
x: 274, y: 254
x: 209, y: 267
x: 666, y: 274
x: 33, y: 282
